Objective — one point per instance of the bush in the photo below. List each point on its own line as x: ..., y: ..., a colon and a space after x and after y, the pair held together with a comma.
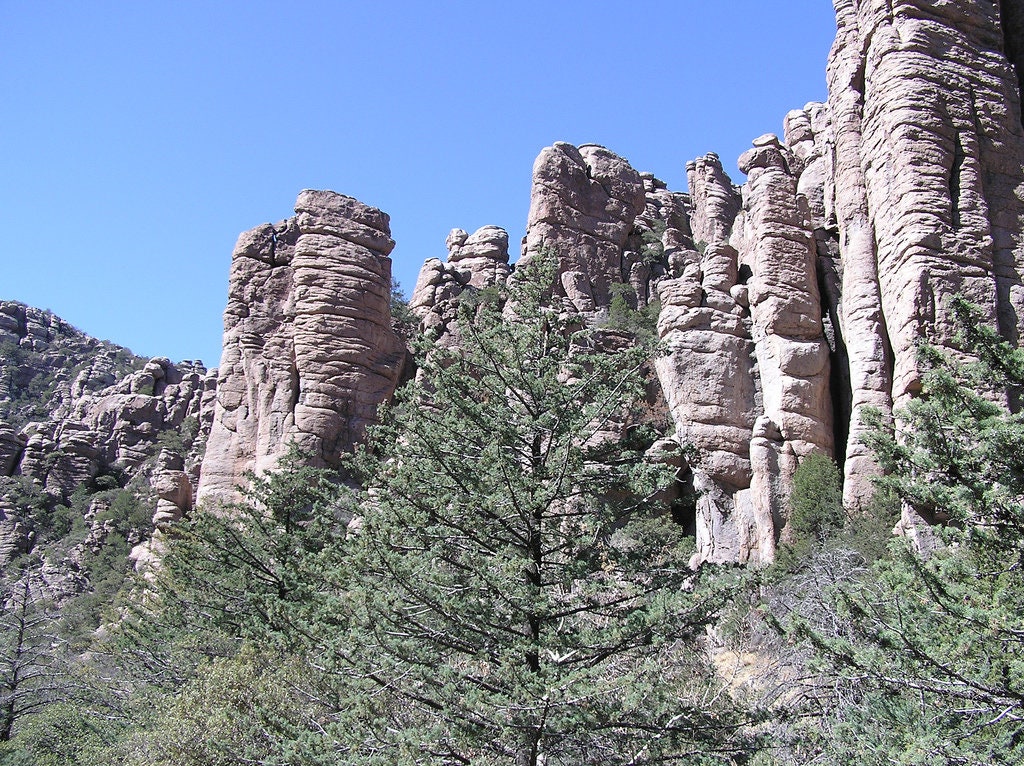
x: 623, y: 315
x: 815, y: 509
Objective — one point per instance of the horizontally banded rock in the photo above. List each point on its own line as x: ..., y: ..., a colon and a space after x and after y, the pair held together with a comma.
x: 746, y: 371
x: 478, y: 260
x: 583, y: 203
x: 776, y: 241
x: 706, y: 370
x: 942, y: 143
x: 784, y: 301
x: 786, y: 306
x: 715, y: 200
x: 309, y: 351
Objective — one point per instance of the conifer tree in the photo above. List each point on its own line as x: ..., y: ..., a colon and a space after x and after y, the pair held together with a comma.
x: 928, y: 648
x: 521, y: 596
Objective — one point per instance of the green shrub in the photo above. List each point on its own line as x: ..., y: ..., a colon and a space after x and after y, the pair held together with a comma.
x: 815, y: 509
x: 178, y: 440
x: 624, y: 317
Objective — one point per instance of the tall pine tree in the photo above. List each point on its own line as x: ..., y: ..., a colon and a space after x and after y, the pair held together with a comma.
x: 522, y: 595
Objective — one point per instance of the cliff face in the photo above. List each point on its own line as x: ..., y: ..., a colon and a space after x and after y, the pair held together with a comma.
x: 927, y: 191
x: 309, y: 351
x: 790, y: 304
x: 786, y: 305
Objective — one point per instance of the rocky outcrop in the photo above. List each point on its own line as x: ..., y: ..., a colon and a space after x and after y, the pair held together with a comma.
x: 117, y: 429
x: 46, y: 364
x: 707, y: 370
x: 309, y: 351
x: 77, y: 408
x: 928, y: 189
x: 85, y: 414
x: 582, y: 206
x: 478, y: 260
x: 786, y: 306
x: 11, y: 445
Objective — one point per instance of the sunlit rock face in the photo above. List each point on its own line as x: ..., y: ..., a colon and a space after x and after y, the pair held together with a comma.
x: 928, y: 187
x: 786, y: 305
x: 309, y: 350
x: 583, y: 203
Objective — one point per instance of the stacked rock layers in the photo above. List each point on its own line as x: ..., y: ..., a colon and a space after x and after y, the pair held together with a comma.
x: 309, y: 351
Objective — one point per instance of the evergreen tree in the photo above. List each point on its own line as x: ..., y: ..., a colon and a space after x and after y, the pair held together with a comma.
x: 28, y: 644
x: 520, y: 595
x: 214, y: 657
x: 929, y: 650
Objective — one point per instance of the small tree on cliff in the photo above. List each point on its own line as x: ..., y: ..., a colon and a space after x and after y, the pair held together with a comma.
x: 521, y: 598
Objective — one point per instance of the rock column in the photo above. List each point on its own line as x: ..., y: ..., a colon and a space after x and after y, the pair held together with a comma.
x: 309, y: 352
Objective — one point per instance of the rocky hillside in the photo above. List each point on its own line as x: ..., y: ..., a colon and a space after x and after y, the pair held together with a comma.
x: 783, y: 306
x: 786, y: 304
x: 94, y: 442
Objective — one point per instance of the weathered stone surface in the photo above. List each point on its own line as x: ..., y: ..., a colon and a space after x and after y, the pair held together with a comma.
x: 785, y: 304
x: 929, y: 189
x: 477, y: 260
x: 942, y: 148
x: 46, y: 364
x: 583, y: 203
x: 116, y: 427
x: 172, y: 487
x: 707, y: 370
x: 715, y: 200
x: 16, y: 534
x: 309, y: 351
x: 481, y: 258
x: 11, y: 445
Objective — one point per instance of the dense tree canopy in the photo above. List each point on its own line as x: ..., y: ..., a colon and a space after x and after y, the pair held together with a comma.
x: 496, y: 579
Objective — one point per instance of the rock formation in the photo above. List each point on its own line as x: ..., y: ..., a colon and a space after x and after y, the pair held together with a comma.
x: 928, y: 187
x: 476, y: 260
x: 582, y: 206
x: 83, y: 413
x: 76, y: 407
x: 116, y: 427
x: 309, y: 351
x: 785, y: 305
x: 790, y: 304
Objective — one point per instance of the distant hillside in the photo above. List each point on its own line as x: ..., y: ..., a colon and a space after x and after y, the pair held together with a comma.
x: 43, y: 359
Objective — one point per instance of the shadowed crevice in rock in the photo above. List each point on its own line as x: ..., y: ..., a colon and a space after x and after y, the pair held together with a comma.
x: 840, y: 386
x: 1012, y: 17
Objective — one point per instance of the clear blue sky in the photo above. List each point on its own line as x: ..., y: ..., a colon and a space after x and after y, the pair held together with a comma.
x: 137, y: 139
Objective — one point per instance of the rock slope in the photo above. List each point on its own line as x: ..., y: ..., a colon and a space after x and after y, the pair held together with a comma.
x: 83, y: 414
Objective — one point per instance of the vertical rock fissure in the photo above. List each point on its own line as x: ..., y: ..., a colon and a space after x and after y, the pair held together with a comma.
x: 1011, y: 13
x: 954, y: 181
x: 840, y: 386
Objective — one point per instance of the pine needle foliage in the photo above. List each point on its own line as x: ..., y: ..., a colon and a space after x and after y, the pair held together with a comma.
x: 928, y: 647
x: 521, y: 598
